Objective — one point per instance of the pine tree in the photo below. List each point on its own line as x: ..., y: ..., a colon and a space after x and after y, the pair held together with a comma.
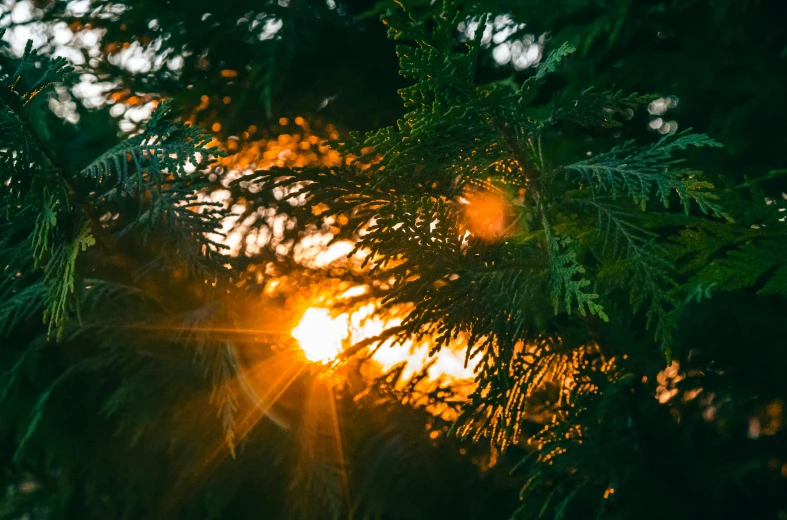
x: 582, y: 266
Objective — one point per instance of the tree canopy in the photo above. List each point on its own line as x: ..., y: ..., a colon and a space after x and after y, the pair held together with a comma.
x: 375, y: 259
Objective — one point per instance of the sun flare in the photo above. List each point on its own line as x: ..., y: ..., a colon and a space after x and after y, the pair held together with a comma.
x: 320, y: 335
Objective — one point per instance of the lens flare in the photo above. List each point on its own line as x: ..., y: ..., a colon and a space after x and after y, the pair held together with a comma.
x: 321, y: 336
x: 488, y: 215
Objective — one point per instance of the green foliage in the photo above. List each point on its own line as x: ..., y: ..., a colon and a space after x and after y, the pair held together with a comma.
x: 36, y: 185
x: 651, y: 170
x: 165, y: 148
x: 52, y: 218
x: 553, y: 61
x: 457, y: 136
x: 152, y: 165
x: 600, y: 232
x: 566, y: 309
x: 163, y: 167
x: 60, y: 274
x: 597, y: 109
x: 565, y: 277
x: 752, y: 255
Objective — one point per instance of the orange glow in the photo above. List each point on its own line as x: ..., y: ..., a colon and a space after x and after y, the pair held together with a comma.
x: 320, y: 336
x: 298, y: 149
x: 321, y: 442
x: 352, y: 292
x: 487, y: 214
x: 268, y: 381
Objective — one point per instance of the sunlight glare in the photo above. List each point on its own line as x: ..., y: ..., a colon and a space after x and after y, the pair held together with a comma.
x: 320, y: 336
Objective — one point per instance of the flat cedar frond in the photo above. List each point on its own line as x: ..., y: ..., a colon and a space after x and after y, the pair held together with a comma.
x: 60, y: 274
x: 311, y: 193
x: 649, y: 274
x: 55, y: 70
x: 190, y: 223
x: 747, y: 265
x: 32, y: 183
x: 566, y: 280
x: 165, y: 149
x: 645, y: 172
x: 222, y: 367
x: 554, y: 60
x: 219, y: 363
x: 730, y: 258
x: 536, y: 367
x: 591, y: 108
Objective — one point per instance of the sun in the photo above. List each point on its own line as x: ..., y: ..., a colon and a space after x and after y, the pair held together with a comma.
x: 321, y: 336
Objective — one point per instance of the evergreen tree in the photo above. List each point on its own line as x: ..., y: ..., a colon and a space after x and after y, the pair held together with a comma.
x: 601, y: 285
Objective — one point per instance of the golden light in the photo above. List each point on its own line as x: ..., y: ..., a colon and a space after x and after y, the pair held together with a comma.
x: 322, y: 338
x: 320, y: 335
x: 487, y: 214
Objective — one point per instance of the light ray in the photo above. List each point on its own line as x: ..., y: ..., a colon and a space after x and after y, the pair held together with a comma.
x: 263, y: 335
x: 286, y: 370
x: 322, y: 465
x: 337, y: 429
